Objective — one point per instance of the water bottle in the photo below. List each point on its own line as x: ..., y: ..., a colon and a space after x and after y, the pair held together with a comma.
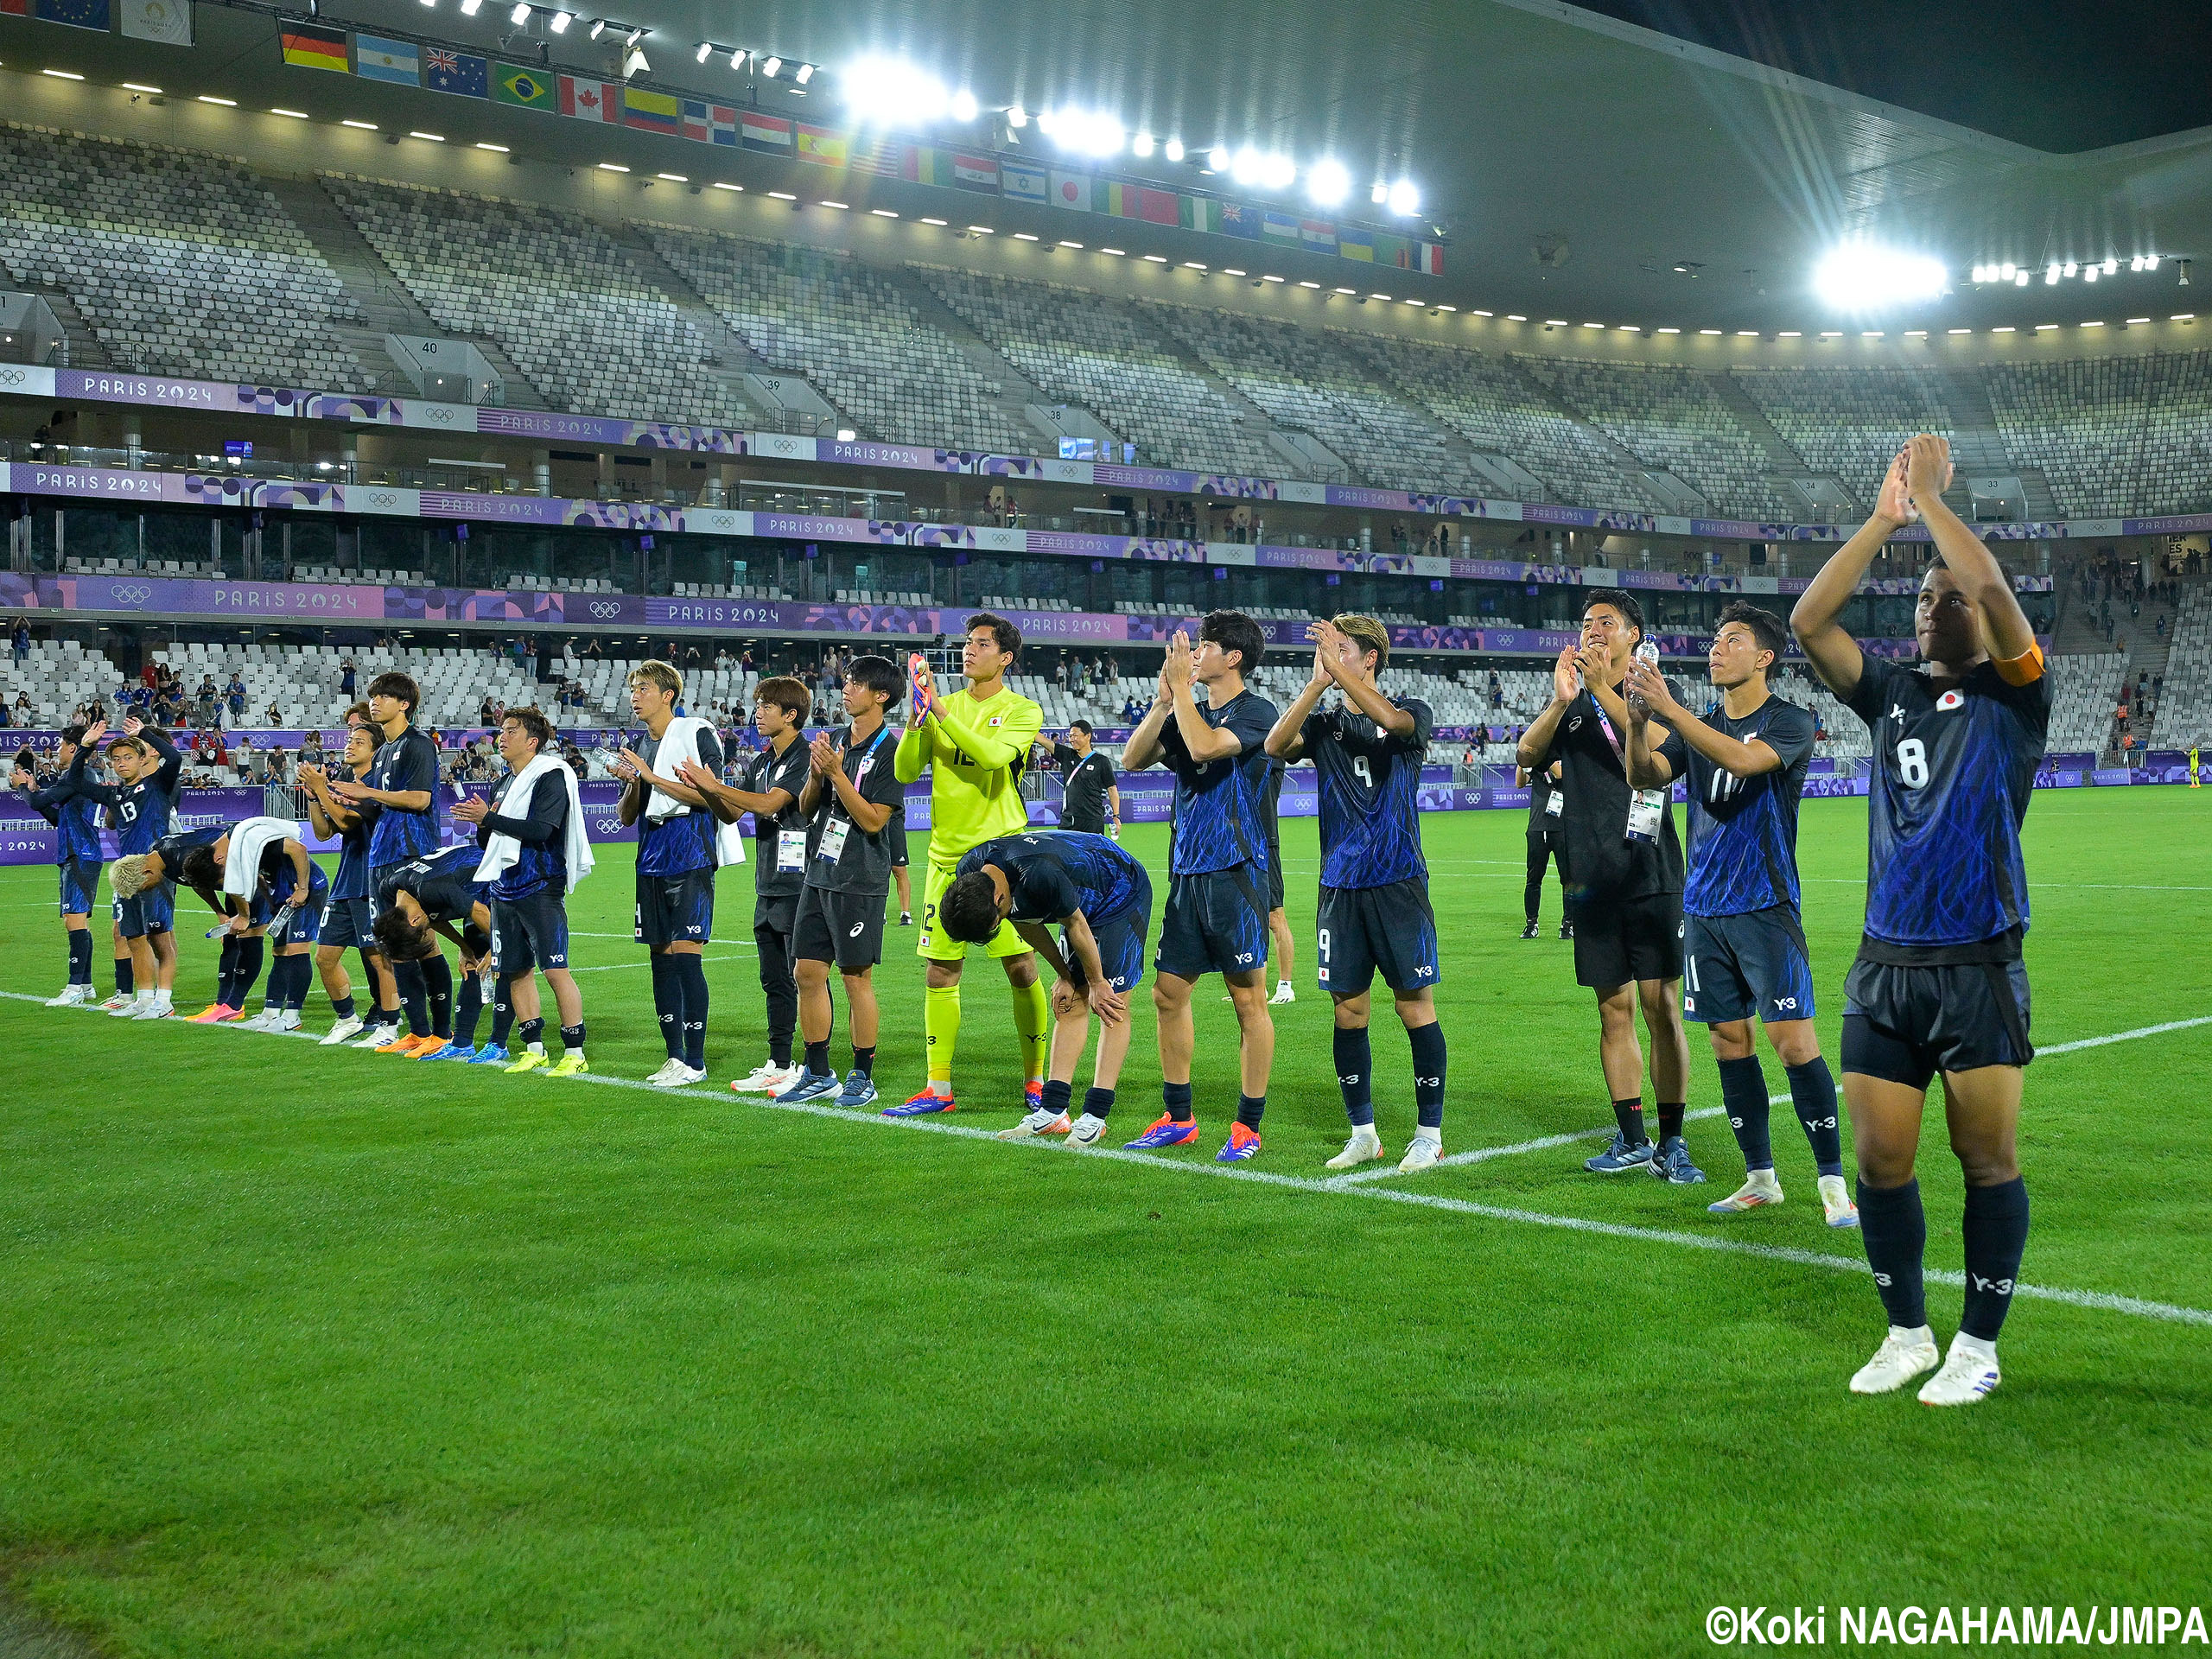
x: 1646, y: 651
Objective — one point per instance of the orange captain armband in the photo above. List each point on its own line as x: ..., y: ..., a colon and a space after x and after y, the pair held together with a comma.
x: 2023, y: 670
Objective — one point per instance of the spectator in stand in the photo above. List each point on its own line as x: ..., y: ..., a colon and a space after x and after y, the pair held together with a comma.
x: 311, y: 749
x: 592, y: 647
x: 272, y: 718
x: 150, y: 675
x: 19, y: 637
x: 280, y: 767
x: 235, y: 696
x: 345, y: 679
x: 242, y: 758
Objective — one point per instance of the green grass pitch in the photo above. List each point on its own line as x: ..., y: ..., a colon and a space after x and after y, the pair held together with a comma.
x: 310, y: 1351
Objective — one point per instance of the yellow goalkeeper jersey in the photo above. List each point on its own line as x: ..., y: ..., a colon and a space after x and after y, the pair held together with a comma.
x: 976, y: 753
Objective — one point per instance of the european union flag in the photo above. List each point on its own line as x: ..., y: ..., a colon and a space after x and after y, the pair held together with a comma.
x: 78, y: 14
x: 445, y: 71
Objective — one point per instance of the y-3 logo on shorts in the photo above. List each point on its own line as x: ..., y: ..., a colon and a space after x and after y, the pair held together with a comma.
x: 1243, y: 956
x: 1785, y: 1002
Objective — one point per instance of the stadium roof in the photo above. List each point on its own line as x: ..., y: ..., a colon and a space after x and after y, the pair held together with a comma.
x: 1583, y: 166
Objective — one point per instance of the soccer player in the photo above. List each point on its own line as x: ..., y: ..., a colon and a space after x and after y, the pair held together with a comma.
x: 417, y: 902
x: 974, y: 744
x: 346, y: 919
x: 1623, y: 887
x: 681, y: 843
x: 247, y: 899
x: 77, y: 853
x: 773, y: 781
x: 1091, y: 798
x: 400, y: 800
x: 1101, y: 900
x: 1374, y: 911
x: 848, y: 799
x: 534, y: 848
x: 1744, y: 952
x: 1547, y: 841
x: 1939, y: 985
x: 1217, y: 918
x: 147, y: 767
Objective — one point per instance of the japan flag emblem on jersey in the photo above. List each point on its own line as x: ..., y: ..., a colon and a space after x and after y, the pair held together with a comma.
x: 1951, y: 700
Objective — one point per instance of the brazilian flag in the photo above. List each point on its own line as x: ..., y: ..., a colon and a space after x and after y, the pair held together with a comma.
x: 530, y: 89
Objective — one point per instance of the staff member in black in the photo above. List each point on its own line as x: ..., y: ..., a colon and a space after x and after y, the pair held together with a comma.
x: 1093, y: 798
x: 1547, y: 841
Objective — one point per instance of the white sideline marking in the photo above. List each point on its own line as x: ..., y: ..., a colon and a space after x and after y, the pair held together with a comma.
x: 612, y: 967
x: 2105, y: 1302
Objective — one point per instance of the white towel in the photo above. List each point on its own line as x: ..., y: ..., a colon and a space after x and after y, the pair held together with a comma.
x: 249, y: 841
x: 502, y: 850
x: 680, y: 743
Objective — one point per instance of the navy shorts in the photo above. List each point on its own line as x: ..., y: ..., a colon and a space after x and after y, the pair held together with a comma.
x: 346, y: 925
x: 1906, y: 1024
x: 306, y: 926
x: 1363, y: 930
x: 530, y: 933
x: 377, y: 874
x: 1121, y: 938
x: 675, y: 909
x: 1216, y: 922
x: 1744, y: 966
x: 846, y: 928
x: 80, y: 885
x: 145, y: 914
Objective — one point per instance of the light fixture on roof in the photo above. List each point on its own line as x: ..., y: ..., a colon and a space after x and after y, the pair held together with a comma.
x: 1141, y: 145
x: 845, y: 435
x: 673, y: 178
x: 803, y: 73
x: 560, y: 21
x: 963, y: 105
x: 598, y: 26
x: 1866, y: 277
x: 296, y: 115
x: 2149, y: 262
x: 2051, y: 276
x: 207, y: 98
x: 1089, y: 132
x: 1378, y: 193
x: 705, y: 50
x: 894, y: 90
x: 1277, y: 173
x: 141, y: 86
x: 2090, y: 273
x: 1173, y: 152
x: 1328, y: 181
x: 1405, y: 198
x: 636, y: 34
x: 469, y: 8
x: 520, y: 14
x: 68, y: 74
x: 1016, y: 117
x: 1219, y: 158
x: 2020, y: 277
x: 363, y: 126
x: 496, y: 149
x: 771, y: 67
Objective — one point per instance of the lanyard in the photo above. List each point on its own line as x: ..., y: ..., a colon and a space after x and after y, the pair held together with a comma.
x: 873, y: 743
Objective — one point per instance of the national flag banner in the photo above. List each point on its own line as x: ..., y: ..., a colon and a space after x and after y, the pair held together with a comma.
x: 1388, y: 250
x: 975, y: 172
x: 168, y: 21
x: 1072, y: 190
x: 764, y: 132
x: 652, y: 112
x: 1280, y: 228
x: 1356, y: 244
x: 920, y: 164
x: 461, y: 74
x: 721, y: 122
x: 1317, y: 235
x: 696, y: 127
x: 377, y: 58
x: 590, y: 100
x: 15, y: 7
x: 526, y: 89
x: 876, y: 155
x: 1430, y: 260
x: 310, y: 45
x: 1199, y: 214
x: 1025, y: 183
x: 77, y: 14
x: 1240, y: 218
x: 821, y: 146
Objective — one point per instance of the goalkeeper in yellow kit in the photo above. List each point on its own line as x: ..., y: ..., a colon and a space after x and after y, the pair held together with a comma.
x: 974, y: 743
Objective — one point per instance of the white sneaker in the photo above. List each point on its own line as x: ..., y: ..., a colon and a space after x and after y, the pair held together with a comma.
x: 676, y: 1075
x: 127, y: 1008
x: 119, y: 1003
x: 1969, y: 1372
x: 768, y: 1078
x: 1427, y: 1151
x: 1902, y: 1356
x: 71, y: 996
x: 1760, y: 1191
x: 261, y: 1021
x: 1085, y: 1131
x: 1284, y: 993
x: 352, y: 1026
x: 152, y: 1009
x: 1040, y: 1122
x: 373, y: 1037
x: 1835, y: 1202
x: 1364, y: 1148
x: 283, y: 1020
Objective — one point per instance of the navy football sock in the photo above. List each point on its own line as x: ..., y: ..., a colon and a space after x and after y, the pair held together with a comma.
x: 531, y: 1031
x: 817, y: 1059
x: 468, y: 1009
x: 1742, y: 1094
x: 123, y: 976
x: 1098, y: 1102
x: 437, y: 983
x: 1251, y: 1109
x: 414, y: 997
x: 572, y: 1038
x: 691, y: 978
x: 295, y: 981
x: 668, y: 1003
x: 1428, y: 1074
x: 80, y: 955
x: 864, y: 1060
x: 1176, y: 1096
x: 502, y: 1013
x: 342, y: 1006
x: 1356, y: 1073
x: 1671, y: 1113
x: 1895, y: 1229
x: 247, y: 974
x: 1057, y: 1095
x: 1996, y: 1229
x: 1812, y: 1091
x: 226, y: 970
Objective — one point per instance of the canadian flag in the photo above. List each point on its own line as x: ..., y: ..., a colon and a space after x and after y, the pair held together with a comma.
x: 591, y: 100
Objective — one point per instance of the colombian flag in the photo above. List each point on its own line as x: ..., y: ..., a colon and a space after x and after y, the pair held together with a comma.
x: 652, y: 112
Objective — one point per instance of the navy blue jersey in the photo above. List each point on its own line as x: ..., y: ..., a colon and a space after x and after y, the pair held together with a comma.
x: 686, y: 841
x: 138, y: 812
x: 406, y: 763
x: 1052, y: 874
x: 75, y: 818
x: 352, y: 880
x: 1743, y: 841
x: 283, y: 881
x: 1370, y: 795
x: 173, y: 847
x: 440, y: 882
x: 1220, y: 805
x: 1953, y: 770
x: 543, y: 866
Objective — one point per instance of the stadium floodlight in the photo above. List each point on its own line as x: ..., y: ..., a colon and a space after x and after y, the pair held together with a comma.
x: 2020, y: 277
x: 1278, y: 173
x: 845, y: 435
x: 598, y: 26
x: 1141, y: 145
x: 1174, y: 150
x: 2006, y: 271
x: 636, y: 34
x: 1378, y: 193
x: 1405, y: 197
x: 1016, y: 117
x: 71, y: 74
x: 1244, y: 167
x: 771, y: 67
x: 2069, y: 270
x: 1328, y: 181
x: 805, y: 74
x: 2136, y: 263
x: 2149, y: 262
x: 2051, y: 276
x: 1981, y: 273
x: 2111, y: 266
x: 737, y: 57
x: 141, y: 86
x: 560, y: 22
x: 1864, y: 276
x: 892, y: 90
x: 469, y: 8
x: 520, y: 14
x: 963, y: 105
x: 1089, y: 132
x: 705, y: 50
x: 1218, y: 158
x: 2090, y: 273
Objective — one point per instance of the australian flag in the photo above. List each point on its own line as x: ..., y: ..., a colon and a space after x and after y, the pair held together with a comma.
x: 455, y: 71
x: 78, y: 14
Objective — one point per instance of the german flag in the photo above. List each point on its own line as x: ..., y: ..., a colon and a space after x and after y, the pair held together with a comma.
x: 310, y: 45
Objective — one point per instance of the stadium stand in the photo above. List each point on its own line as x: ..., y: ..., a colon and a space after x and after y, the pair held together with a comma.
x: 2082, y: 423
x: 2185, y: 702
x: 1848, y: 423
x: 554, y: 289
x: 849, y: 333
x: 2084, y: 689
x: 179, y: 262
x: 56, y: 676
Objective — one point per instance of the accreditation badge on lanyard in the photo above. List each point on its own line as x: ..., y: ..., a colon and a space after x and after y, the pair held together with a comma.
x: 834, y: 832
x: 1646, y: 807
